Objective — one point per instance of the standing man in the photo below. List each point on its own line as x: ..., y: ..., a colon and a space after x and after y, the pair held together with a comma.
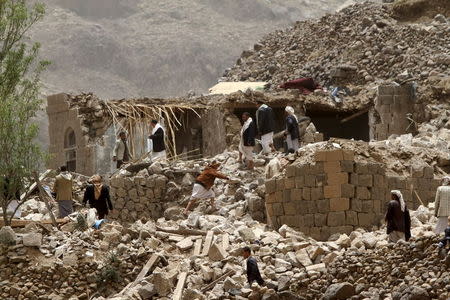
x: 248, y: 133
x: 157, y: 139
x: 121, y: 152
x: 442, y: 205
x: 252, y: 268
x: 266, y: 126
x: 203, y: 185
x: 291, y: 133
x: 397, y: 218
x: 63, y: 190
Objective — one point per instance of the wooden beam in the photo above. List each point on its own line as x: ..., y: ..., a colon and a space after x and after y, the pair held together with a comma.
x: 152, y: 261
x: 178, y: 294
x: 208, y: 242
x: 197, y: 247
x: 355, y: 115
x: 23, y: 223
x: 33, y: 186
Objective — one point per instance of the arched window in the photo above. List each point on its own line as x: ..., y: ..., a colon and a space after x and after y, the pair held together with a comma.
x: 70, y: 147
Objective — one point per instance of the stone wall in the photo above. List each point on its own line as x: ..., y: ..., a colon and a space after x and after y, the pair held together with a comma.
x: 336, y: 194
x: 137, y: 197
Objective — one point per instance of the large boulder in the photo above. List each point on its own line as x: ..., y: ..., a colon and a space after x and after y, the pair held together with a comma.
x: 339, y: 291
x: 7, y: 236
x: 32, y: 239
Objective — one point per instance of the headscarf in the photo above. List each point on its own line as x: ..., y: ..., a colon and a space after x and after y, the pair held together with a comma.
x: 246, y: 125
x: 290, y: 111
x: 96, y: 180
x: 446, y: 180
x: 400, y: 199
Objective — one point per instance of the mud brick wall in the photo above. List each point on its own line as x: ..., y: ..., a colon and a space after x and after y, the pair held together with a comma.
x: 335, y: 194
x: 137, y: 197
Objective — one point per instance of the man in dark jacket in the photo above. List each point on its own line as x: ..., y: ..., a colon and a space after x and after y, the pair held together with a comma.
x: 252, y: 268
x: 397, y: 218
x: 266, y: 125
x: 292, y: 132
x: 248, y: 134
x: 157, y: 141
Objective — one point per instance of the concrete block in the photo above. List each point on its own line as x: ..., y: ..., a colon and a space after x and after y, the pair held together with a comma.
x: 337, y: 178
x: 366, y: 219
x: 336, y: 219
x: 377, y: 207
x: 286, y: 196
x: 365, y: 180
x: 316, y: 193
x: 356, y: 204
x: 308, y: 220
x: 334, y: 155
x: 310, y: 180
x: 378, y: 193
x: 348, y: 154
x: 354, y: 179
x: 311, y: 207
x: 347, y: 191
x: 280, y: 184
x: 332, y: 167
x: 379, y: 181
x: 299, y: 181
x: 361, y: 168
x: 290, y: 170
x: 278, y: 209
x: 332, y: 191
x: 271, y: 186
x: 367, y: 205
x: 351, y: 218
x: 296, y: 195
x: 320, y: 156
x: 289, y: 208
x: 316, y: 168
x: 347, y: 166
x: 306, y: 193
x: 289, y: 183
x: 339, y: 204
x: 320, y: 220
x: 362, y: 193
x: 323, y: 205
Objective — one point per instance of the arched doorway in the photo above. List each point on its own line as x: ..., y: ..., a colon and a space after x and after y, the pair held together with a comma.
x: 70, y: 148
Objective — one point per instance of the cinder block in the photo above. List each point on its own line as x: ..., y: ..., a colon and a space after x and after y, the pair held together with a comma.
x: 336, y: 219
x: 339, y: 204
x: 334, y: 155
x: 299, y: 181
x: 289, y: 183
x: 320, y: 220
x: 365, y: 180
x: 348, y: 154
x: 296, y: 195
x: 332, y: 167
x: 289, y: 208
x: 362, y: 193
x: 323, y: 205
x: 278, y: 209
x: 351, y: 218
x: 332, y: 191
x: 320, y: 156
x: 337, y: 178
x: 310, y: 180
x: 306, y: 193
x: 316, y: 193
x: 290, y: 170
x: 347, y: 191
x: 347, y: 166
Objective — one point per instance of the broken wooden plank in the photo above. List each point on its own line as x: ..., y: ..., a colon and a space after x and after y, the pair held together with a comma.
x: 355, y: 115
x: 225, y: 241
x: 178, y: 293
x: 182, y: 231
x: 208, y: 242
x: 197, y: 247
x: 153, y: 259
x: 212, y: 284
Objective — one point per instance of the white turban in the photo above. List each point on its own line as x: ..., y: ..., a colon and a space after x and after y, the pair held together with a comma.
x: 289, y: 110
x: 446, y: 180
x: 400, y: 198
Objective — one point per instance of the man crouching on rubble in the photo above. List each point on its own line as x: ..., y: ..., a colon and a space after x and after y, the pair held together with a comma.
x: 203, y: 186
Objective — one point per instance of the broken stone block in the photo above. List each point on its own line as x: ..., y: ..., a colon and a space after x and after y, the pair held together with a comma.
x: 162, y: 283
x: 229, y: 284
x: 247, y: 234
x: 147, y: 291
x: 303, y: 257
x: 339, y: 291
x: 283, y: 283
x: 185, y: 244
x: 7, y: 236
x: 32, y: 239
x: 217, y: 253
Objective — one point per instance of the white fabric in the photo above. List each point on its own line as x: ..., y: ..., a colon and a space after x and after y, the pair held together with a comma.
x: 266, y: 140
x: 290, y: 111
x: 400, y: 198
x: 245, y: 126
x: 150, y: 141
x: 441, y: 225
x: 161, y: 155
x: 157, y: 126
x: 395, y: 236
x: 247, y: 152
x: 442, y: 201
x: 66, y: 175
x: 199, y: 192
x: 446, y: 180
x: 292, y: 144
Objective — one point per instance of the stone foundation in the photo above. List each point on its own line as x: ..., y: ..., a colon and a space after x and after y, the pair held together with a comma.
x: 336, y: 194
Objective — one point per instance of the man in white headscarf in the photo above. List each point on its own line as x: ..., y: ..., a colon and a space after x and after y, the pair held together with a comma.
x: 248, y: 134
x: 442, y: 205
x: 292, y: 133
x: 157, y: 141
x: 397, y: 218
x: 265, y: 122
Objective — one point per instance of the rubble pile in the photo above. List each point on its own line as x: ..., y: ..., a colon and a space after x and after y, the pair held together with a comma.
x: 364, y: 38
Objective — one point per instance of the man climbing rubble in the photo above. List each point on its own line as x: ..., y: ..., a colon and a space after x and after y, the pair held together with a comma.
x: 248, y: 133
x: 253, y: 273
x: 203, y: 186
x: 397, y: 218
x: 266, y: 125
x: 292, y: 132
x: 121, y: 152
x: 63, y: 189
x: 157, y: 141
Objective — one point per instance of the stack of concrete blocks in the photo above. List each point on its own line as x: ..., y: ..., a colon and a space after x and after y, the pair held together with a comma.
x: 137, y: 197
x: 338, y: 195
x: 392, y: 104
